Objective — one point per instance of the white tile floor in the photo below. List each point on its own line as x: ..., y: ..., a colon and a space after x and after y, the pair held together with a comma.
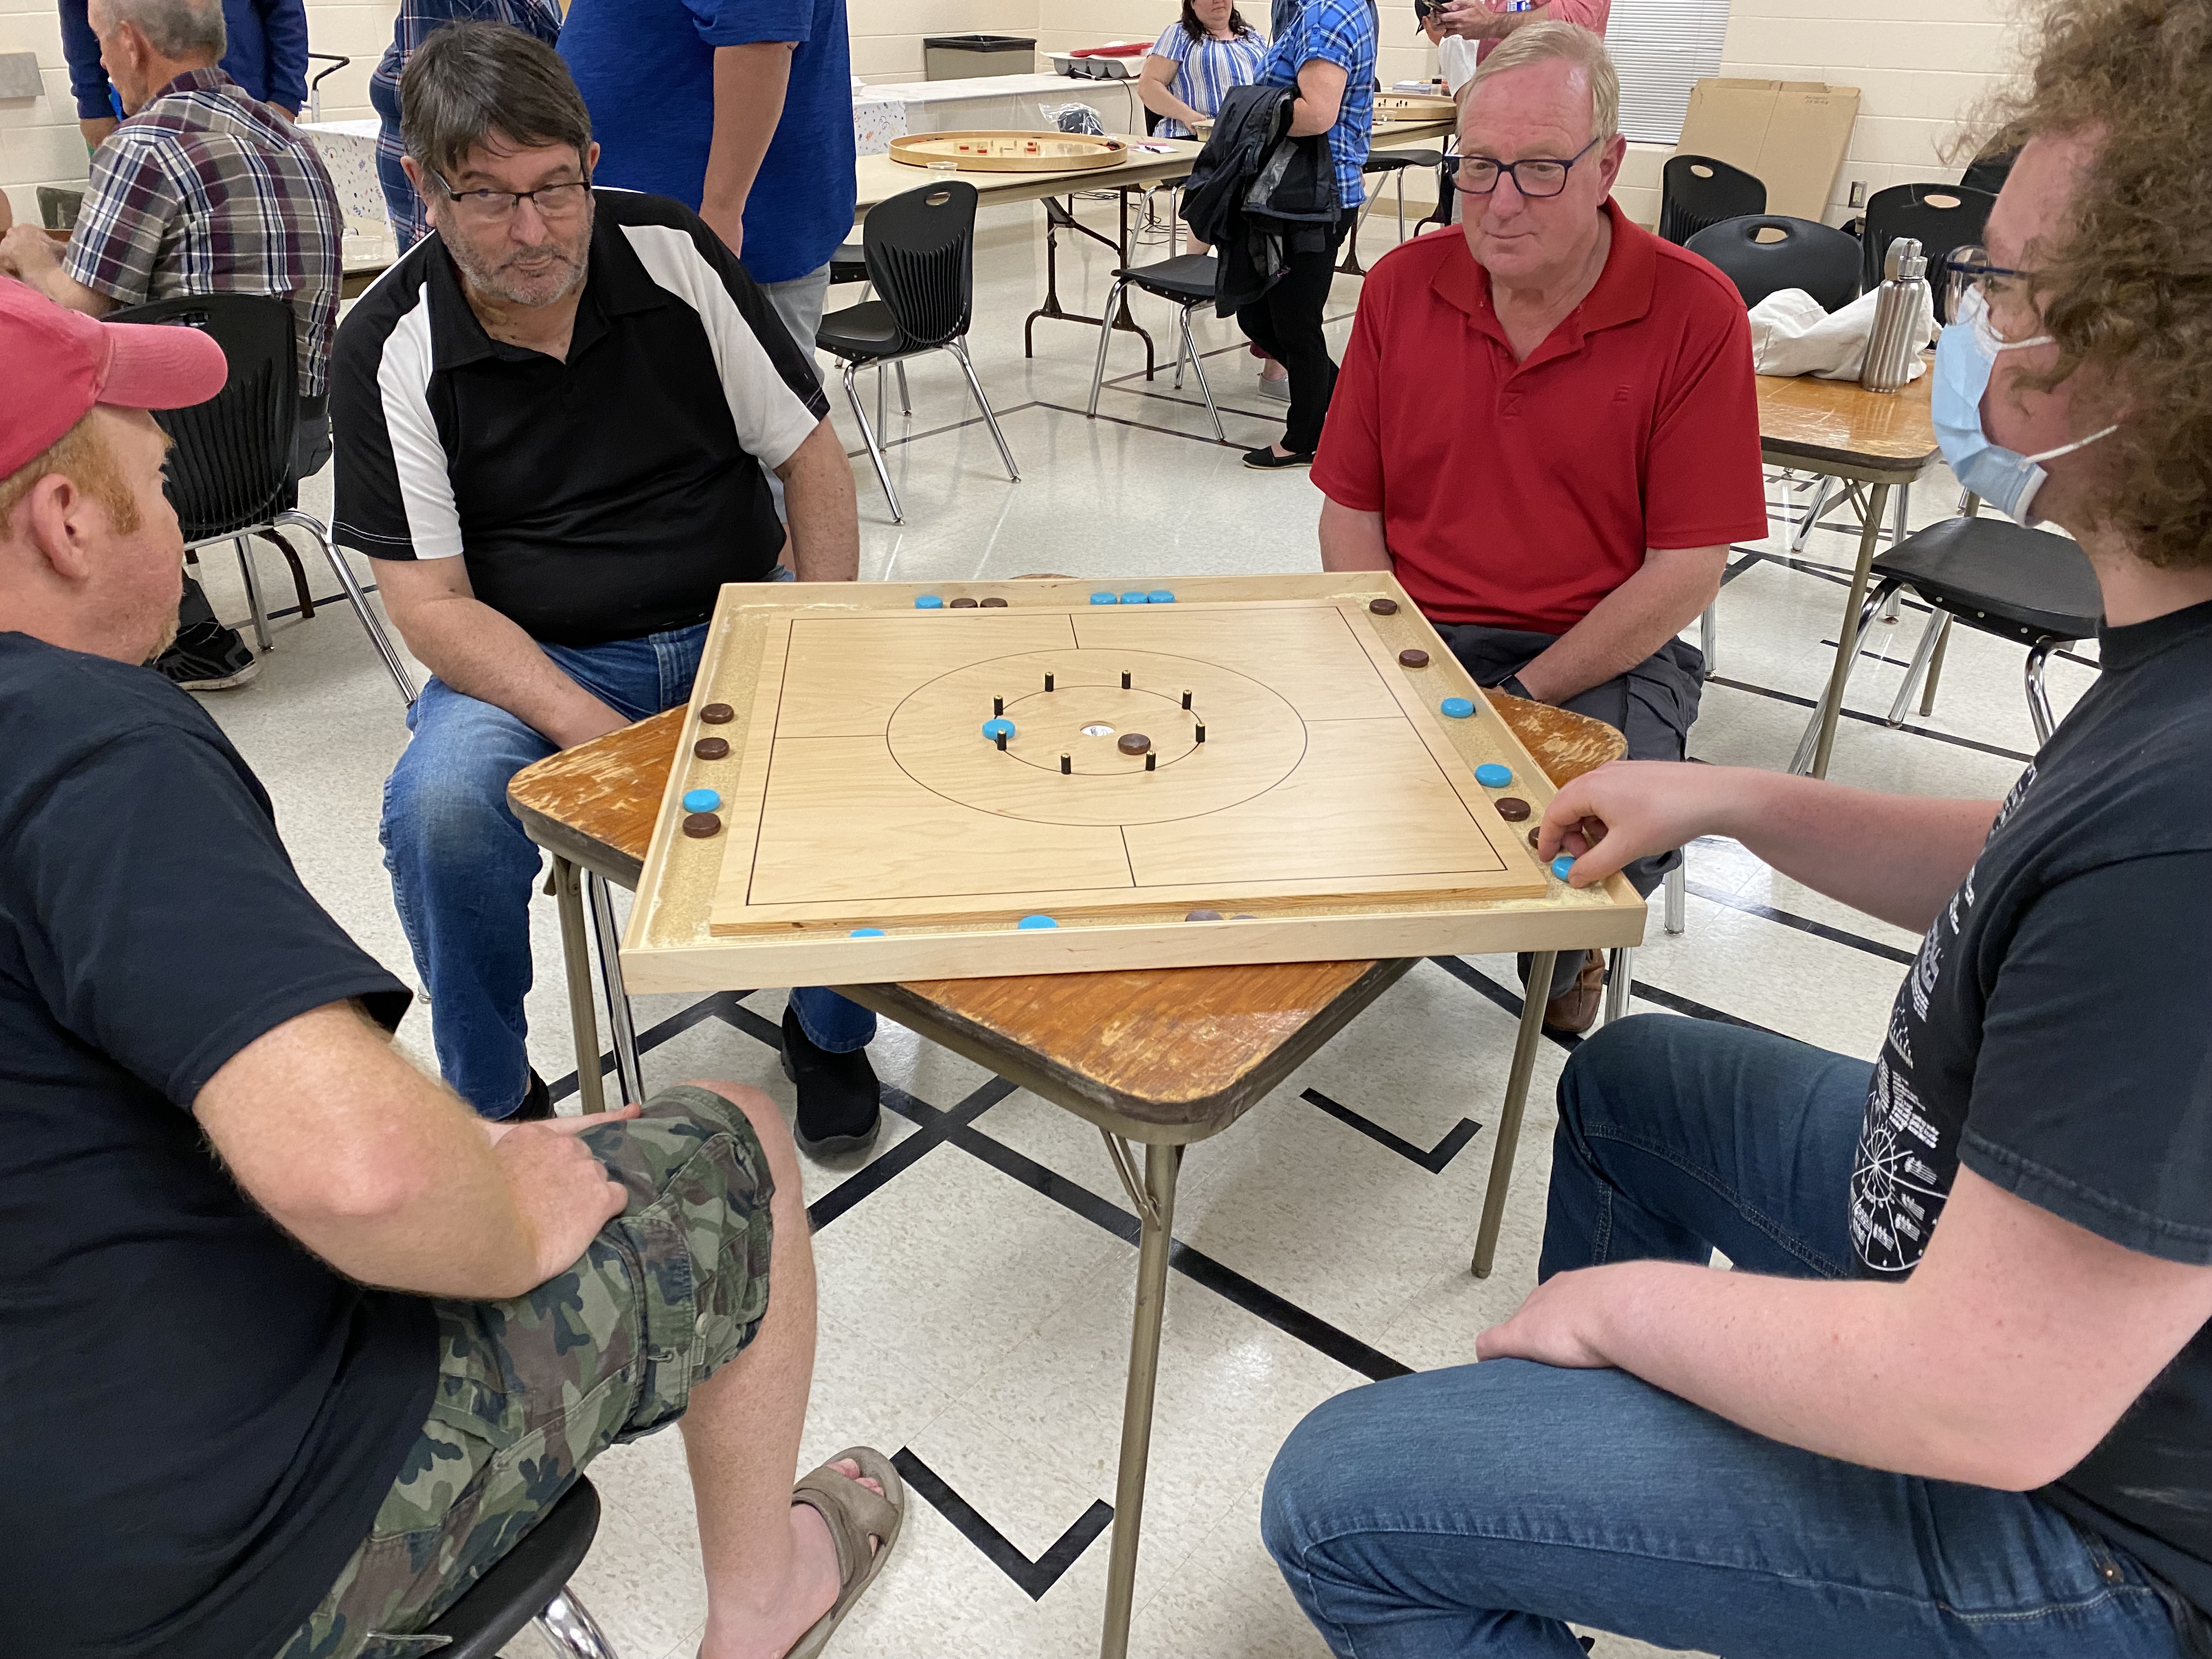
x: 982, y: 1322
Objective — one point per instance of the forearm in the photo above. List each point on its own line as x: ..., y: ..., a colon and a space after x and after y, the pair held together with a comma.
x: 47, y: 276
x: 1159, y: 98
x: 1352, y: 539
x: 825, y: 513
x: 482, y: 654
x: 750, y: 84
x: 1627, y: 625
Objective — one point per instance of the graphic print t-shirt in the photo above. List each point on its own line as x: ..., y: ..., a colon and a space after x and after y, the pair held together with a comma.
x: 2055, y: 1036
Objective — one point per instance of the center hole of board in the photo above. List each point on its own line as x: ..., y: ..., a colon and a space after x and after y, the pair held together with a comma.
x: 1098, y: 731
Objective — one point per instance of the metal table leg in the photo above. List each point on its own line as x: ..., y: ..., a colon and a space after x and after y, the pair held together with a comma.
x: 1847, y: 635
x: 1056, y: 219
x: 576, y: 959
x: 1516, y: 1100
x: 627, y: 1070
x: 1156, y: 1213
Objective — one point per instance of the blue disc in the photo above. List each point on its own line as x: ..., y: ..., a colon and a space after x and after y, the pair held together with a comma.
x: 1136, y: 596
x: 1037, y: 921
x: 1159, y: 596
x: 1561, y: 865
x: 929, y: 602
x: 701, y: 801
x: 1491, y: 776
x: 1104, y: 599
x: 992, y: 729
x: 1458, y: 707
x: 867, y: 932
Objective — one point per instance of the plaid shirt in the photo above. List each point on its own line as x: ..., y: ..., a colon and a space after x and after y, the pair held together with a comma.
x: 417, y: 22
x: 1342, y: 32
x: 206, y: 192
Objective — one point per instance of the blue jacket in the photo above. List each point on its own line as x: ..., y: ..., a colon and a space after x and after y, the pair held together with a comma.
x: 267, y: 54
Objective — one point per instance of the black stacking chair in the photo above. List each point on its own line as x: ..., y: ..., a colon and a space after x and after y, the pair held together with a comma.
x: 1189, y: 281
x: 1804, y: 253
x: 1995, y: 578
x: 1942, y: 218
x: 1696, y: 191
x: 919, y: 247
x: 1379, y: 163
x: 230, y: 473
x: 530, y: 1583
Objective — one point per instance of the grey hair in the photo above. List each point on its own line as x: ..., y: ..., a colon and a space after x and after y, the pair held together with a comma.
x: 486, y: 83
x: 175, y: 28
x: 1552, y: 39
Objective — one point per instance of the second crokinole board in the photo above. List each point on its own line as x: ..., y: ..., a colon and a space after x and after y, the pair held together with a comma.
x: 1327, y: 807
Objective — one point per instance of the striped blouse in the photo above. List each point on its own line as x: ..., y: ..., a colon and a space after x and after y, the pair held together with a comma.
x: 1205, y: 70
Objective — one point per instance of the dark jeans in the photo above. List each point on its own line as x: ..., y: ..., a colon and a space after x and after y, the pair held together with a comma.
x: 1471, y: 1513
x: 1284, y: 322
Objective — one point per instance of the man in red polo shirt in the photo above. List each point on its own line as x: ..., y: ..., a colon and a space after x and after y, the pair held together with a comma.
x: 1548, y: 428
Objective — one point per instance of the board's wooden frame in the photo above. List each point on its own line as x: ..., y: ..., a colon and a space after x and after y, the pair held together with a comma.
x: 915, y: 151
x: 669, y: 946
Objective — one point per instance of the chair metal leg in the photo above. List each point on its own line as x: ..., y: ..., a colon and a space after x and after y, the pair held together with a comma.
x: 570, y: 1630
x: 355, y: 598
x: 1900, y: 514
x: 1156, y: 1219
x: 1620, y: 977
x: 2039, y: 701
x: 959, y: 350
x: 1677, y: 890
x: 906, y: 397
x: 1921, y: 653
x: 1198, y: 368
x: 1708, y: 638
x: 1935, y: 669
x: 1105, y: 336
x: 627, y: 1072
x: 1819, y: 740
x: 1822, y: 489
x: 576, y: 961
x: 868, y: 436
x: 1516, y: 1101
x: 255, y: 602
x: 1401, y: 205
x: 883, y: 422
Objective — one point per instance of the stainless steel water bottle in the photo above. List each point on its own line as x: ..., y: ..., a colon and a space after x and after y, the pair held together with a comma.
x: 1900, y: 306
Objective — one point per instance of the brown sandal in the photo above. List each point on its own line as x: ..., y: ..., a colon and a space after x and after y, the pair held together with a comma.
x: 853, y: 1515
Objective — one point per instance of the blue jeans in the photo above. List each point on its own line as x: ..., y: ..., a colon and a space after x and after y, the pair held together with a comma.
x: 462, y: 870
x: 1476, y: 1510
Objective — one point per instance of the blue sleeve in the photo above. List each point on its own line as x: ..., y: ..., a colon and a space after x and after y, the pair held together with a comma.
x: 81, y: 48
x: 1174, y: 42
x: 284, y: 33
x: 745, y: 23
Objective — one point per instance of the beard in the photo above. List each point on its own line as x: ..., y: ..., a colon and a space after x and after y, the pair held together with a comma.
x: 169, y: 638
x: 541, y: 274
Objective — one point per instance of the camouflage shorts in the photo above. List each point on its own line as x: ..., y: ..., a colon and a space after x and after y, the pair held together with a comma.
x: 530, y: 1390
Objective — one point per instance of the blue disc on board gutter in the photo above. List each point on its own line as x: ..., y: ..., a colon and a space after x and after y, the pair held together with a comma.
x: 1159, y: 596
x: 1490, y: 776
x: 995, y: 729
x: 867, y: 932
x: 929, y: 602
x: 1458, y: 707
x: 1561, y: 865
x: 701, y: 801
x: 1037, y: 921
x: 1136, y: 596
x: 1105, y: 599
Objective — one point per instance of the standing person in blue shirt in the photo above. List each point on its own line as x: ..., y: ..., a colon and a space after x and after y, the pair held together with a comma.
x: 266, y: 53
x: 741, y: 108
x: 1328, y: 54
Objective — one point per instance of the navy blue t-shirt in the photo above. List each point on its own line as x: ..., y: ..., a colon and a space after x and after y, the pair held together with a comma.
x: 646, y: 70
x: 264, y: 50
x: 198, y: 1419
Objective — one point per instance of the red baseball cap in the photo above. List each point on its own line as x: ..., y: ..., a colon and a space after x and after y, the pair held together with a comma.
x: 61, y: 362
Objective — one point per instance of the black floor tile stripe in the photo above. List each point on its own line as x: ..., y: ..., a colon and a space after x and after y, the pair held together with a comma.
x: 723, y: 1004
x: 1802, y: 924
x: 1475, y: 980
x: 1908, y: 729
x: 1435, y: 1159
x: 878, y: 1171
x: 1034, y: 1577
x: 1682, y: 1005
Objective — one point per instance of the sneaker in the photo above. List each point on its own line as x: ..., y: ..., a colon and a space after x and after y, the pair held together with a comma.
x: 537, y: 1101
x: 1265, y: 459
x: 839, y: 1101
x: 208, y: 659
x: 1278, y: 390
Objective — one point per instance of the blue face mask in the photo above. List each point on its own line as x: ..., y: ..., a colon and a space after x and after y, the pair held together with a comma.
x: 1966, y: 352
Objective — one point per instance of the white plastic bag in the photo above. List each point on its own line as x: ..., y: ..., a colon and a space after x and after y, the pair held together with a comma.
x: 1790, y: 334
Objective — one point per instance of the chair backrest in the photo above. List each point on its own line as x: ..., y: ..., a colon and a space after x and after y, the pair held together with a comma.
x: 1696, y: 191
x: 231, y: 467
x: 1799, y: 254
x: 920, y: 250
x: 1942, y: 218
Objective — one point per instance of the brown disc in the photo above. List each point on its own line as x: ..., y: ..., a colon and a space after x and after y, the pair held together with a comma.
x: 1511, y: 808
x: 1534, y: 831
x: 717, y: 713
x: 1383, y: 607
x: 1203, y: 915
x: 1413, y: 657
x: 699, y: 825
x: 712, y: 749
x: 1133, y: 743
x: 962, y: 604
x: 995, y: 603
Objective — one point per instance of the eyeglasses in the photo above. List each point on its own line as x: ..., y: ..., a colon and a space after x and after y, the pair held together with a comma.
x: 1477, y: 175
x: 493, y: 207
x: 2005, y: 294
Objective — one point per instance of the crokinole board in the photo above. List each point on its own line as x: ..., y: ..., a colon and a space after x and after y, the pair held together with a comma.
x: 1009, y: 151
x: 869, y: 826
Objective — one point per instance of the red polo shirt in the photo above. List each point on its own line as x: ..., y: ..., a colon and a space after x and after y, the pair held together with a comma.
x: 1519, y: 495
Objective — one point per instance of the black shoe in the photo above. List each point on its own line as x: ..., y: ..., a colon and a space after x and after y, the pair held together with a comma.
x: 839, y: 1101
x: 1265, y: 459
x: 208, y: 657
x: 536, y: 1102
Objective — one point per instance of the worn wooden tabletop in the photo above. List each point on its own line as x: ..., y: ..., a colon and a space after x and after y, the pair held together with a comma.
x: 1808, y: 421
x: 880, y: 177
x: 1189, y: 1047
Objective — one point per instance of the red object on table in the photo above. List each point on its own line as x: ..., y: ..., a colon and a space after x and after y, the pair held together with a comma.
x: 1129, y: 49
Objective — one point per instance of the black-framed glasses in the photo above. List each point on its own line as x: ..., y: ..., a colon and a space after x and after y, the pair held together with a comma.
x: 1477, y: 175
x: 497, y: 206
x: 2008, y: 299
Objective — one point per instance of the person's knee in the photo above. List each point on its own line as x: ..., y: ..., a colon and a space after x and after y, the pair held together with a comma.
x: 769, y: 1129
x: 1325, y: 1470
x: 1606, y: 1068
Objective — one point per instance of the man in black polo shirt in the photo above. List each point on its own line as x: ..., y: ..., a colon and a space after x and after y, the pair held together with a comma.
x: 555, y: 421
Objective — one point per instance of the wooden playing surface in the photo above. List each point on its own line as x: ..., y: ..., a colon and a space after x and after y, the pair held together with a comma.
x: 1330, y: 812
x: 1015, y: 151
x: 1808, y: 422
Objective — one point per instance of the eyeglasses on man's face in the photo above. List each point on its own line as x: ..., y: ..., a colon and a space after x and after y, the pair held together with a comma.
x: 497, y: 207
x: 2006, y: 308
x: 1477, y: 175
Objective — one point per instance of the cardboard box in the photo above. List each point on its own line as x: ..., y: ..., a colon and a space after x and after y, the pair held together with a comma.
x: 1792, y: 134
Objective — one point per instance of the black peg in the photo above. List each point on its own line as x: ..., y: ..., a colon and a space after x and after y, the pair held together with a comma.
x: 1186, y: 699
x: 1067, y: 765
x: 1201, y: 734
x: 1153, y: 763
x: 998, y: 708
x: 1002, y: 742
x: 1125, y: 680
x: 1047, y: 682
